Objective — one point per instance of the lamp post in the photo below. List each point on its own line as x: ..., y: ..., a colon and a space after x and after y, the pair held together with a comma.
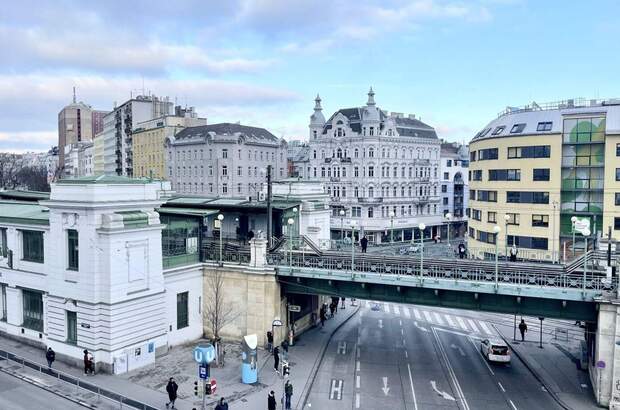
x: 585, y: 234
x: 220, y: 218
x: 448, y: 217
x: 573, y: 220
x: 342, y: 213
x: 506, y: 219
x: 421, y: 227
x: 352, y: 247
x: 497, y: 230
x: 392, y: 215
x: 553, y: 249
x: 290, y: 221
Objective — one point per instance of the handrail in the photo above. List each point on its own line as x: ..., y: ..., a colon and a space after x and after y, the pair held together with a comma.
x: 107, y: 394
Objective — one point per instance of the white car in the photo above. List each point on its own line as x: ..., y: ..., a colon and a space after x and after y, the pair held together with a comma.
x: 495, y: 350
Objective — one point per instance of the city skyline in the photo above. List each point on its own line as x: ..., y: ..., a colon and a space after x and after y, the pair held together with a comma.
x: 453, y: 64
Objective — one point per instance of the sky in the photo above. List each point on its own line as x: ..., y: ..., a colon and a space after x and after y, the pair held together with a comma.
x: 455, y: 64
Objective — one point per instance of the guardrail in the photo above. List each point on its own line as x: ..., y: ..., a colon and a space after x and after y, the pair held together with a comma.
x: 115, y: 398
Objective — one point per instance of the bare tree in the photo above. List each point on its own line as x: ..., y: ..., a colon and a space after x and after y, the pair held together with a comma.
x: 218, y: 312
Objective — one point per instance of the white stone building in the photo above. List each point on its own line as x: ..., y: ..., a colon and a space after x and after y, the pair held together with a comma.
x: 454, y: 187
x: 381, y: 169
x: 78, y: 160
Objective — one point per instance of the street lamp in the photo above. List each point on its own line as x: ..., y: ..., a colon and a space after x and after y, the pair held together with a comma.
x: 290, y: 221
x: 497, y: 230
x: 392, y: 226
x: 220, y: 218
x: 342, y: 214
x: 553, y: 249
x: 506, y: 220
x: 573, y: 221
x: 585, y: 234
x: 448, y: 217
x: 353, y: 246
x: 421, y: 227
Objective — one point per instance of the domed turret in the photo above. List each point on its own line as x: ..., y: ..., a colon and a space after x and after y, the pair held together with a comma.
x: 371, y: 112
x: 317, y: 120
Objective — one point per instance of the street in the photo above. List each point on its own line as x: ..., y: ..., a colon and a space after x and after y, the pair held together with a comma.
x: 412, y: 357
x: 19, y: 395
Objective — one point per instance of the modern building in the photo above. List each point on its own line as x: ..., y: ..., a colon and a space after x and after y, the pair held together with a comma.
x: 380, y: 169
x: 78, y: 160
x: 535, y: 168
x: 97, y: 121
x: 149, y: 138
x: 454, y: 187
x: 98, y: 155
x: 224, y: 160
x: 118, y: 129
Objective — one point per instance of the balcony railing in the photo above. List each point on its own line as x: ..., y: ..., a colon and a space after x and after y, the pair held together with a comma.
x: 367, y: 200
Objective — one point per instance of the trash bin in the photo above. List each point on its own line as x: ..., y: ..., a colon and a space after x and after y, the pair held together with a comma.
x: 249, y: 358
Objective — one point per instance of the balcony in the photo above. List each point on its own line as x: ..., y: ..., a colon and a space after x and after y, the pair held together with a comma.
x: 334, y: 179
x: 367, y: 200
x: 347, y: 160
x: 328, y: 160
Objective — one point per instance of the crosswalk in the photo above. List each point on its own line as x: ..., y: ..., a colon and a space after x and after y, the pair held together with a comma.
x: 475, y: 326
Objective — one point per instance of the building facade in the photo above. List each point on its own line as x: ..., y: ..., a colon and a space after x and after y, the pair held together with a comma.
x: 535, y: 168
x: 78, y: 160
x: 381, y: 169
x: 225, y: 160
x: 149, y: 138
x: 454, y: 187
x: 118, y: 128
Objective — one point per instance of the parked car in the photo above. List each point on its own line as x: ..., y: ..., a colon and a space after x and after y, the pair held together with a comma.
x: 495, y: 350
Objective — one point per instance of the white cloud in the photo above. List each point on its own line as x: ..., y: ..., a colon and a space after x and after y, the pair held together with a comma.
x: 25, y: 141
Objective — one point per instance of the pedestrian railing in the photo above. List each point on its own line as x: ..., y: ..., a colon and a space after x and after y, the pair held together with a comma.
x: 114, y: 398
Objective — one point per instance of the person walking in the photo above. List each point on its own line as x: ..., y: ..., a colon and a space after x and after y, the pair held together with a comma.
x: 332, y: 308
x: 323, y: 316
x: 276, y: 359
x: 171, y: 389
x: 513, y: 253
x: 50, y: 355
x: 522, y: 329
x: 364, y: 243
x: 88, y: 364
x: 271, y: 401
x: 288, y: 393
x: 461, y: 251
x: 269, y: 341
x: 222, y: 405
x: 342, y: 301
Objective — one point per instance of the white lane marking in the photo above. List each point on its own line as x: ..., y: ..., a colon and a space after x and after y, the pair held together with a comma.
x: 450, y: 321
x: 441, y: 393
x: 473, y: 326
x: 406, y: 312
x: 385, y: 387
x: 396, y: 310
x: 451, y: 372
x: 380, y: 324
x: 386, y: 307
x: 400, y: 322
x: 501, y: 387
x: 357, y: 400
x: 513, y: 405
x: 406, y: 355
x: 428, y: 317
x: 403, y: 341
x: 455, y: 347
x: 420, y: 327
x: 455, y: 332
x: 485, y: 328
x: 481, y: 356
x: 461, y: 323
x: 415, y: 402
x: 342, y: 347
x: 357, y: 366
x: 416, y: 313
x: 357, y: 381
x: 335, y: 393
x: 438, y: 319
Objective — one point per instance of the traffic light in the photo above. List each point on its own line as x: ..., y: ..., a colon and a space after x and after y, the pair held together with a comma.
x: 285, y: 370
x: 195, y: 388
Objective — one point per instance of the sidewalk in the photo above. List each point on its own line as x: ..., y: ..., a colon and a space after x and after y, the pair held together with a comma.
x: 148, y: 384
x: 555, y: 365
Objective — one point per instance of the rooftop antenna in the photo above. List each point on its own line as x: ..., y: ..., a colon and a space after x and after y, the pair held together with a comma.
x: 74, y: 99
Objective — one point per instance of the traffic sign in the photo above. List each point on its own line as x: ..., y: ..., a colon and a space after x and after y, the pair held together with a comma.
x: 203, y: 371
x: 600, y: 364
x: 294, y: 308
x: 204, y: 354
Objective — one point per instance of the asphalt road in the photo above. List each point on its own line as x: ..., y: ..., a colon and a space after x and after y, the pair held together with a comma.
x: 409, y: 357
x: 19, y: 395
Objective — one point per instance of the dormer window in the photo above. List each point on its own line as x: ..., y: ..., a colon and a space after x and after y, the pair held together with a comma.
x: 339, y: 132
x: 390, y: 132
x: 314, y: 134
x: 372, y: 131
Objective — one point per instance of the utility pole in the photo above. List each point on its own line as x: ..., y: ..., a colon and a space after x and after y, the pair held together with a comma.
x: 269, y: 216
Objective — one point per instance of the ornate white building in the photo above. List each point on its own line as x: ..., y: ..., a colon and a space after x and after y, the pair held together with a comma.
x: 380, y: 168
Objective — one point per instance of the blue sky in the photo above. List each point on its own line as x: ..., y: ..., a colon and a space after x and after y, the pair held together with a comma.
x: 454, y: 63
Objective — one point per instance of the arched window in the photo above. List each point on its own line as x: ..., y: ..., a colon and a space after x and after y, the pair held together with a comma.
x: 322, y: 154
x: 402, y: 191
x: 339, y: 153
x: 394, y: 191
x: 371, y: 153
x: 383, y: 153
x: 314, y: 154
x: 314, y: 134
x: 371, y: 192
x: 356, y: 153
x: 409, y: 191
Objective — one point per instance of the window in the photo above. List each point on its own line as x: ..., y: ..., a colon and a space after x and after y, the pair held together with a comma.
x: 616, y: 228
x: 487, y: 196
x: 472, y: 156
x: 444, y: 188
x: 371, y: 192
x: 491, y: 217
x: 445, y: 201
x: 486, y: 154
x: 517, y: 128
x: 446, y: 175
x: 536, y: 151
x: 356, y: 211
x: 476, y: 214
x: 498, y: 130
x: 182, y: 311
x: 487, y: 237
x: 472, y: 233
x: 544, y: 126
x: 618, y: 150
x: 371, y: 211
x: 449, y: 163
x: 518, y: 197
x: 617, y: 174
x: 72, y: 328
x: 504, y: 175
x: 239, y: 171
x: 210, y: 170
x: 540, y: 220
x: 3, y: 244
x: 32, y: 246
x: 239, y: 188
x: 224, y: 170
x: 371, y: 152
x: 224, y: 188
x: 33, y: 310
x: 513, y: 219
x: 541, y: 174
x: 617, y: 198
x: 72, y: 249
x: 472, y: 194
x: 371, y: 171
x: 356, y: 172
x: 528, y: 242
x: 476, y: 175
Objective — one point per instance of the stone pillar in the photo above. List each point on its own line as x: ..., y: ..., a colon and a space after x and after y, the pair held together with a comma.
x: 258, y: 252
x: 605, y: 373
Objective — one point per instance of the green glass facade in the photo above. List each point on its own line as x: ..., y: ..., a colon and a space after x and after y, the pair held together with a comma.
x: 180, y: 240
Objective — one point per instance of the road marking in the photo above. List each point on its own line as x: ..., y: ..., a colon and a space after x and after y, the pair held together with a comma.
x: 415, y: 402
x: 357, y: 400
x: 455, y: 332
x: 473, y: 326
x: 501, y: 387
x: 485, y: 328
x: 400, y: 322
x: 461, y: 323
x: 385, y: 387
x: 402, y: 331
x: 450, y: 321
x: 513, y: 405
x: 342, y: 347
x: 416, y: 313
x: 455, y: 381
x: 357, y: 381
x: 483, y: 359
x: 406, y: 312
x: 403, y: 341
x: 380, y: 324
x: 455, y: 347
x: 396, y: 310
x: 427, y: 316
x: 441, y: 393
x: 420, y: 327
x: 406, y: 354
x: 387, y: 308
x: 335, y: 392
x: 357, y: 366
x: 438, y: 318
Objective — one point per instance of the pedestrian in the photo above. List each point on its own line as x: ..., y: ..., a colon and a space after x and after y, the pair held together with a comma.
x: 513, y: 253
x: 172, y: 388
x: 284, y: 346
x: 364, y: 243
x: 250, y: 235
x: 522, y: 329
x: 322, y: 316
x: 87, y: 362
x: 50, y: 355
x: 332, y: 308
x: 288, y: 392
x: 271, y: 401
x: 342, y: 300
x: 269, y: 341
x: 276, y: 359
x: 461, y: 251
x: 222, y: 405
